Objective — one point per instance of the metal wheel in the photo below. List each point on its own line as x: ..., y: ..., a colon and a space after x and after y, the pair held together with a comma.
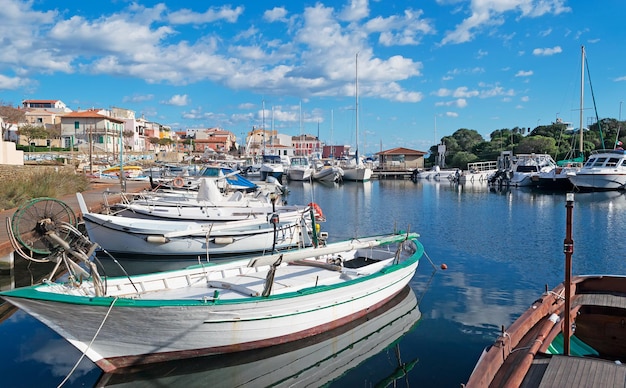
x: 34, y: 219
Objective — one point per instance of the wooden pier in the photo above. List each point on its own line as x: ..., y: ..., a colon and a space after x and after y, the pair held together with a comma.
x: 391, y: 174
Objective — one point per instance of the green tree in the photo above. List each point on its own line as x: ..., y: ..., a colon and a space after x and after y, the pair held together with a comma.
x: 536, y: 144
x: 461, y: 159
x: 32, y: 132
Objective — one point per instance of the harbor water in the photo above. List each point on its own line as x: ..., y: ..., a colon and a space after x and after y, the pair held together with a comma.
x: 501, y: 249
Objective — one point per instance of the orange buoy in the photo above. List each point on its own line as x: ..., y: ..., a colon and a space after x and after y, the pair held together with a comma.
x: 178, y: 182
x: 317, y: 210
x: 444, y: 266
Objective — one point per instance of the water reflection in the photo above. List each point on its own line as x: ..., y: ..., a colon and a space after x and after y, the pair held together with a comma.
x: 311, y: 362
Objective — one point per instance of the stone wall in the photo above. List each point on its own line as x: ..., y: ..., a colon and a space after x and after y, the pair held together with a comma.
x: 8, y: 172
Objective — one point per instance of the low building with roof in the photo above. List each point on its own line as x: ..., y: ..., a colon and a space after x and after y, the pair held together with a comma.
x: 401, y: 158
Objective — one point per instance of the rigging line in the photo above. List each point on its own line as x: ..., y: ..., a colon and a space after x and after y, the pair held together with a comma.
x: 88, y: 346
x: 593, y: 98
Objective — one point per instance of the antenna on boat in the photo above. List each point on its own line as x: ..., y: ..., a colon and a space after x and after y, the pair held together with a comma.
x: 568, y: 249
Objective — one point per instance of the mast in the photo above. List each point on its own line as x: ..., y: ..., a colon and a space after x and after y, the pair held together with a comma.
x: 582, y: 90
x: 356, y: 98
x: 263, y: 124
x: 332, y: 129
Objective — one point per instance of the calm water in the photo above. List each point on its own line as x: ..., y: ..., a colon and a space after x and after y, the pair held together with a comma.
x: 501, y: 249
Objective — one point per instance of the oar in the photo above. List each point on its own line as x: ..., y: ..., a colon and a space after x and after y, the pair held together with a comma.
x: 303, y: 253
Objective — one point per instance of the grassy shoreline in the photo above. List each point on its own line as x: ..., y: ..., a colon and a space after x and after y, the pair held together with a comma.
x: 20, y: 189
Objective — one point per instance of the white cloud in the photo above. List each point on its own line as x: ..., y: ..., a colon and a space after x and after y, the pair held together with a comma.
x: 276, y: 14
x: 524, y: 73
x: 452, y: 114
x: 178, y: 100
x: 12, y: 83
x: 138, y: 98
x: 355, y: 10
x: 547, y: 51
x: 186, y: 16
x: 618, y: 79
x: 545, y: 32
x: 492, y: 13
x: 464, y: 92
x: 400, y: 31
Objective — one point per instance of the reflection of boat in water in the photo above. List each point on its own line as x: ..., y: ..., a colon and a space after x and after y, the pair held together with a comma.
x: 309, y: 362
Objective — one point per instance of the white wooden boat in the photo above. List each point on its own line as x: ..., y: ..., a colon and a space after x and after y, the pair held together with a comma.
x: 228, y: 307
x: 225, y: 177
x: 311, y: 362
x: 152, y: 237
x: 208, y: 204
x: 604, y: 170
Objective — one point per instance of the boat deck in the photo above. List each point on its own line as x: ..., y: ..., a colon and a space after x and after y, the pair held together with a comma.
x: 572, y: 372
x: 287, y: 278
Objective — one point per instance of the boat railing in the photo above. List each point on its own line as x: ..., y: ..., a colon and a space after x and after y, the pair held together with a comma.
x: 608, y: 151
x: 482, y: 166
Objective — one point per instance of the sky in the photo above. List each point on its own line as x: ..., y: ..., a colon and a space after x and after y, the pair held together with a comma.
x: 388, y: 74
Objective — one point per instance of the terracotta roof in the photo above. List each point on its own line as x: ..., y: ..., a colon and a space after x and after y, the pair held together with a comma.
x: 91, y: 114
x: 401, y: 151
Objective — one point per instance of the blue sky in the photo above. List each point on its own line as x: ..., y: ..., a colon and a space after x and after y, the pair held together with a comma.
x: 425, y: 68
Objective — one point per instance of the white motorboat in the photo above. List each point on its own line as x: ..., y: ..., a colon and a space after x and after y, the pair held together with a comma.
x: 272, y: 166
x: 299, y: 169
x: 328, y: 174
x: 520, y: 170
x: 604, y: 170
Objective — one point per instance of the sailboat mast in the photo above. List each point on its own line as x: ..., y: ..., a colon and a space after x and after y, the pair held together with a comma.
x: 582, y: 90
x: 356, y: 105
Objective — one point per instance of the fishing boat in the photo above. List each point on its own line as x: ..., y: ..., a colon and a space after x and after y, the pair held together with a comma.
x: 129, y: 171
x: 225, y: 177
x: 186, y: 238
x: 572, y: 336
x: 314, y: 361
x: 215, y: 309
x: 207, y: 204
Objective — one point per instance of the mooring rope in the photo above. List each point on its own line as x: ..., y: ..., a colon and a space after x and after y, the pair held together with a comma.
x: 88, y: 346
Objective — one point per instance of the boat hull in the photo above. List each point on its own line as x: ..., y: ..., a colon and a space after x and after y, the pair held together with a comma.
x: 299, y: 174
x: 309, y: 362
x: 359, y: 174
x: 598, y: 181
x: 118, y: 332
x: 327, y: 175
x: 128, y: 240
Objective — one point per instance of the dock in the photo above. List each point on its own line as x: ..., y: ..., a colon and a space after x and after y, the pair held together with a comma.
x: 391, y: 174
